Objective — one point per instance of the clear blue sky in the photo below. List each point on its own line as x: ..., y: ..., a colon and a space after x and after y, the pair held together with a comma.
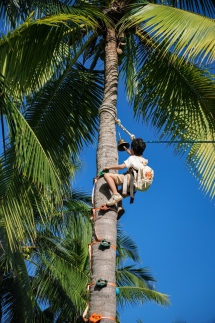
x: 173, y: 224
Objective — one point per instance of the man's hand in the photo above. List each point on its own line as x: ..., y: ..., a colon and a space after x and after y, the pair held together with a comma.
x: 106, y: 168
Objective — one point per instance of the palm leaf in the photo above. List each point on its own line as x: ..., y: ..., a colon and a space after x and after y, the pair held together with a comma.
x: 28, y: 153
x: 132, y: 276
x: 80, y: 196
x: 199, y: 6
x: 16, y: 202
x: 20, y: 196
x: 89, y: 50
x: 128, y: 68
x: 188, y: 34
x: 98, y: 52
x: 17, y: 297
x: 60, y: 279
x: 180, y: 113
x: 46, y: 164
x: 126, y: 247
x: 57, y: 267
x: 200, y: 162
x: 25, y: 67
x: 70, y: 106
x: 131, y: 295
x: 15, y: 12
x: 26, y: 200
x: 12, y: 12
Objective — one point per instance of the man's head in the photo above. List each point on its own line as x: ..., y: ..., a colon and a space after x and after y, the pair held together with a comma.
x: 138, y: 146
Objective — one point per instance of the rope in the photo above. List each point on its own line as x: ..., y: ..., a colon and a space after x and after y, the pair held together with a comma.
x: 103, y: 208
x: 90, y: 250
x: 108, y: 283
x: 97, y: 317
x: 108, y: 107
x: 118, y: 122
x: 180, y: 142
x: 99, y: 241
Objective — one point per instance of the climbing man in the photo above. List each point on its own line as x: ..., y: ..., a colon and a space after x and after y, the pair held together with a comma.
x: 133, y: 162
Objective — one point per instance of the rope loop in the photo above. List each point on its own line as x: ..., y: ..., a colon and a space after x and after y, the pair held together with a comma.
x: 118, y: 122
x: 94, y: 318
x: 108, y: 107
x: 102, y: 283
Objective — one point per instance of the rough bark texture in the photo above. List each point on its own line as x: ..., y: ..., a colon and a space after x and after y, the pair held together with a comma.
x: 103, y: 301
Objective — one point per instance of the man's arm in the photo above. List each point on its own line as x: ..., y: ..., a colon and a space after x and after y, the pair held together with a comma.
x: 117, y: 167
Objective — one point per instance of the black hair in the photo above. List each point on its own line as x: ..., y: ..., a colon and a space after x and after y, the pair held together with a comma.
x: 138, y: 146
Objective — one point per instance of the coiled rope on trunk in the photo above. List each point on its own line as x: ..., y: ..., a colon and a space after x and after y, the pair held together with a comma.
x: 110, y: 108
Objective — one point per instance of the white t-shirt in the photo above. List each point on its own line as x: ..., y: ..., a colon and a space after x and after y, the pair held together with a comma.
x: 134, y: 161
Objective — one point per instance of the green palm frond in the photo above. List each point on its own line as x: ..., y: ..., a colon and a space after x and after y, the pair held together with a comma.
x: 126, y: 246
x: 136, y: 285
x: 16, y: 291
x: 15, y: 12
x: 132, y: 296
x: 57, y: 284
x: 21, y: 177
x: 25, y: 67
x: 3, y: 247
x: 28, y: 165
x: 132, y: 276
x: 40, y: 167
x: 73, y: 221
x: 157, y: 87
x: 65, y: 295
x: 80, y: 196
x: 60, y: 278
x: 29, y: 153
x: 64, y: 115
x: 128, y: 68
x: 206, y: 8
x: 56, y: 265
x: 201, y: 161
x: 18, y: 198
x: 73, y: 227
x: 12, y: 12
x: 187, y: 34
x: 98, y: 53
x: 182, y: 112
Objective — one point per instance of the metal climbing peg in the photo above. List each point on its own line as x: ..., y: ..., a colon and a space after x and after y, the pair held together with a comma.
x: 105, y: 244
x: 95, y: 318
x: 101, y: 282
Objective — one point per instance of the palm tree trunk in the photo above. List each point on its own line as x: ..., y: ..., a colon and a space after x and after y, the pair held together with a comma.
x: 103, y: 301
